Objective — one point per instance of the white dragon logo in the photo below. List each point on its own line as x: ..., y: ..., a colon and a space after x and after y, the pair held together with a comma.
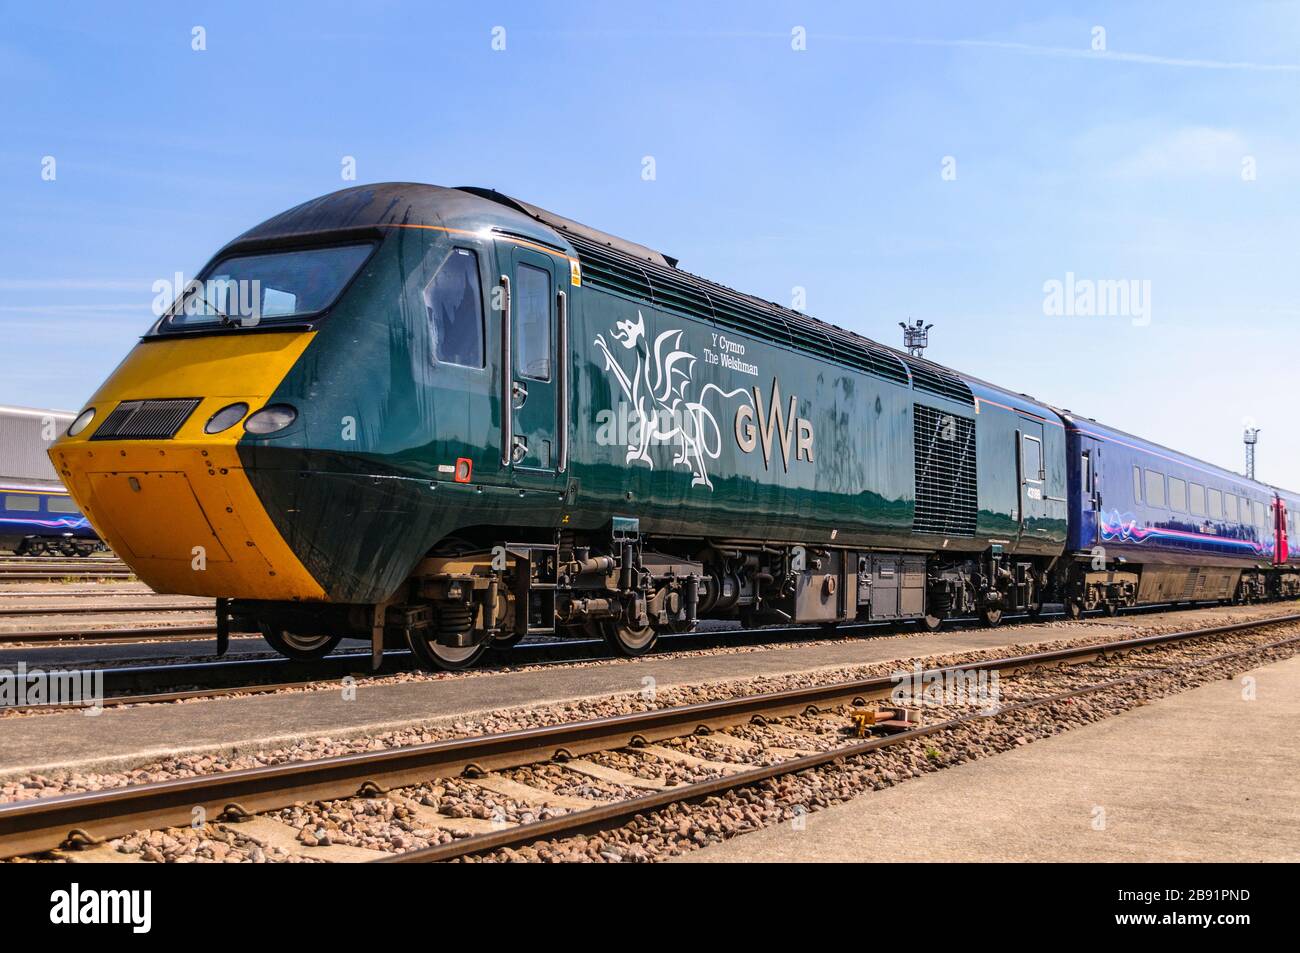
x: 661, y: 410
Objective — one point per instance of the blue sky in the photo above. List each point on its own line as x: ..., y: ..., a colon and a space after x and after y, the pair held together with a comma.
x: 775, y: 168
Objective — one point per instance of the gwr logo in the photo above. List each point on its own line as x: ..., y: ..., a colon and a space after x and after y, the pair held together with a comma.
x: 754, y: 426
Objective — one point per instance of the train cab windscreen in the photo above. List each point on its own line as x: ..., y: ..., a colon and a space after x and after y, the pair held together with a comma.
x: 248, y: 290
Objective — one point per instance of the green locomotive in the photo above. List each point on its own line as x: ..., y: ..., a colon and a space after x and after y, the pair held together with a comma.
x: 472, y: 420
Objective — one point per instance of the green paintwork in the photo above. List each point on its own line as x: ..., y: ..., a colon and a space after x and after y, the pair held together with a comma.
x: 355, y: 484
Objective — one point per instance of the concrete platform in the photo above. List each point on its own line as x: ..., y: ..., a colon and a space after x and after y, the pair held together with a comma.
x: 1201, y: 776
x: 126, y: 737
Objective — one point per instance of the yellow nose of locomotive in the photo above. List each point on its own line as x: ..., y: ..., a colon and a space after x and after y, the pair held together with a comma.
x: 173, y: 501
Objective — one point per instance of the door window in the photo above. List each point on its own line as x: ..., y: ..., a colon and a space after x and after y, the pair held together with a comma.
x: 1033, y: 458
x: 533, y: 324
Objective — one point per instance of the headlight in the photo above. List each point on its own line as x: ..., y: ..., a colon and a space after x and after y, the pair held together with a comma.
x: 225, y: 418
x: 82, y: 422
x: 270, y: 419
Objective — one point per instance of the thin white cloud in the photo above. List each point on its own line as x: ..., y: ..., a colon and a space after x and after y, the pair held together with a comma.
x: 72, y: 284
x: 1113, y: 56
x: 1192, y: 151
x: 68, y: 308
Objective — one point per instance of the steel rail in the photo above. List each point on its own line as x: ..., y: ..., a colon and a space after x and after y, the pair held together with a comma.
x: 43, y: 824
x: 25, y: 575
x: 143, y: 634
x: 68, y: 593
x: 134, y: 608
x: 617, y: 813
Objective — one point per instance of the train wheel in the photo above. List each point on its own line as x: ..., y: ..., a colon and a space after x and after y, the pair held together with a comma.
x: 629, y: 641
x: 304, y: 648
x: 991, y: 617
x: 1035, y: 611
x: 931, y: 623
x: 455, y: 621
x: 432, y: 654
x: 1074, y: 609
x: 1110, y: 608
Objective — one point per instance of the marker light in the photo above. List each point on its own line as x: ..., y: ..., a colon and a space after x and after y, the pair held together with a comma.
x: 271, y: 419
x: 82, y: 422
x: 226, y: 417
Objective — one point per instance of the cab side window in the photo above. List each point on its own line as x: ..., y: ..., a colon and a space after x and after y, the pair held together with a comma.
x: 453, y: 301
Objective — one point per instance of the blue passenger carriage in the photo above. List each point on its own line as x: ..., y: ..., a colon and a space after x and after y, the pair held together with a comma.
x: 1151, y: 525
x: 37, y: 515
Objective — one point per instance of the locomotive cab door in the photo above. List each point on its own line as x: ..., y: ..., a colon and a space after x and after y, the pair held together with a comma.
x: 1033, y: 479
x: 530, y: 366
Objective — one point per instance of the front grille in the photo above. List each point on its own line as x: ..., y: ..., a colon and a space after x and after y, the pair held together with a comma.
x: 947, y: 498
x: 146, y: 419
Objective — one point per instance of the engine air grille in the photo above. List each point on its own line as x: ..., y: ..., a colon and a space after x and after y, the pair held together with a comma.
x: 146, y: 419
x: 947, y: 498
x: 940, y: 384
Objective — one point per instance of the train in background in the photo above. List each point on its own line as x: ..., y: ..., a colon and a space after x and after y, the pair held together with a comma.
x: 37, y: 515
x: 452, y: 419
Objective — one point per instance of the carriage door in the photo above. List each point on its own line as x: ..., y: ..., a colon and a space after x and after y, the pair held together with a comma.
x: 530, y: 367
x: 1033, y: 476
x: 1282, y: 546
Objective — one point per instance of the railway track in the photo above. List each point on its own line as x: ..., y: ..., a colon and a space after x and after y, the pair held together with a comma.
x: 132, y: 684
x: 154, y: 684
x: 68, y: 821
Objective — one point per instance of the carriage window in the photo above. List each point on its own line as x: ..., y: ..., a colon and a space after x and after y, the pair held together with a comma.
x: 1155, y: 488
x: 1086, y: 472
x: 1178, y: 494
x: 21, y: 503
x: 533, y: 323
x: 1230, y: 507
x: 1198, y: 499
x: 1216, y: 504
x: 1258, y: 509
x: 453, y: 301
x: 60, y: 504
x: 1137, y: 484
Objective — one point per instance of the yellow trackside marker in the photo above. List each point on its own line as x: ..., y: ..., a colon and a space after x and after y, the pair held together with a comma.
x: 182, y: 512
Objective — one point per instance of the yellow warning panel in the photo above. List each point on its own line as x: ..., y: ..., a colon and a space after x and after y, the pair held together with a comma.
x: 135, y: 502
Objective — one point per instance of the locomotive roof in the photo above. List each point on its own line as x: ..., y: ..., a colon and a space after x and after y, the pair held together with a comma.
x: 472, y: 208
x: 1079, y: 422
